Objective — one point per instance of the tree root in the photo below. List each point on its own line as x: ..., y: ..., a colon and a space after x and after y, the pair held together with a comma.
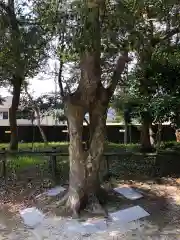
x: 93, y: 203
x: 63, y: 199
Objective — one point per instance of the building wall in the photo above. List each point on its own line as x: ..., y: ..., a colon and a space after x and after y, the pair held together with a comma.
x: 21, y: 122
x: 4, y: 111
x: 4, y: 108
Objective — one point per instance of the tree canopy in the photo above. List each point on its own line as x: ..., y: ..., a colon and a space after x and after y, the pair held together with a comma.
x: 94, y: 41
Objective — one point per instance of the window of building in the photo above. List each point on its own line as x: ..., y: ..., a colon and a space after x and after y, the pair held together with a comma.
x: 3, y: 115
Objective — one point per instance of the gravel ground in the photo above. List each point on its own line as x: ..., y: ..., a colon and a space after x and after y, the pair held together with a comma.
x: 53, y: 229
x: 162, y: 201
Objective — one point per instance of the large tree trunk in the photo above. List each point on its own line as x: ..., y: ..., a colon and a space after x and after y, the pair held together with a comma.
x: 12, y: 115
x: 152, y: 135
x: 126, y: 133
x: 18, y: 74
x: 145, y: 133
x: 90, y: 97
x: 158, y: 136
x: 84, y: 183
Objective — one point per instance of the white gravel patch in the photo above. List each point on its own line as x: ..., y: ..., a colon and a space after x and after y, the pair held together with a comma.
x: 54, y: 228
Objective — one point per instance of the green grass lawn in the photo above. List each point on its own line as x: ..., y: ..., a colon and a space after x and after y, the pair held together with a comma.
x: 64, y: 146
x: 18, y: 163
x: 21, y: 162
x: 36, y: 145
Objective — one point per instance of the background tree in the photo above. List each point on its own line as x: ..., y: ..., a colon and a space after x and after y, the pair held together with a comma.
x: 163, y: 99
x: 163, y: 72
x: 22, y: 46
x: 41, y: 107
x: 149, y: 24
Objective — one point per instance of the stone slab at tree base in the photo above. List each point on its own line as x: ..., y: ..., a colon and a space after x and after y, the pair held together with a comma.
x: 129, y: 214
x: 119, y: 218
x: 128, y: 193
x: 86, y: 228
x: 52, y: 192
x: 32, y: 217
x: 55, y: 191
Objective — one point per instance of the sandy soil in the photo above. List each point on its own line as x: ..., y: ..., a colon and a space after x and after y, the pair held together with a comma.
x: 161, y: 200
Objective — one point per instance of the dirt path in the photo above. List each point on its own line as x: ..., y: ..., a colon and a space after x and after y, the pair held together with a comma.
x: 161, y: 200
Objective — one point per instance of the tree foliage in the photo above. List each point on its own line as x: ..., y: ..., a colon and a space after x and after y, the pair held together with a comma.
x: 163, y: 100
x: 47, y: 104
x: 28, y: 49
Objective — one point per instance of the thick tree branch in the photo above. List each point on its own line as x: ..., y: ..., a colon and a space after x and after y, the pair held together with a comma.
x: 62, y: 44
x: 27, y: 93
x: 69, y: 91
x: 33, y: 104
x: 60, y: 79
x: 120, y: 66
x: 9, y: 9
x: 36, y: 109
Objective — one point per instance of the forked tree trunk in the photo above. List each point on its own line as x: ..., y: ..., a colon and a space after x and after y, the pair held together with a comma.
x: 12, y: 116
x: 84, y: 183
x: 90, y: 97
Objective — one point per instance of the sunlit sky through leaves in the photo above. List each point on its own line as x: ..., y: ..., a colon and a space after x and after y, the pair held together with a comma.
x: 44, y: 82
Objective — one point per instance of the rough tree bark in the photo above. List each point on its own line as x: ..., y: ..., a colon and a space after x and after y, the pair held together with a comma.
x: 91, y: 97
x: 84, y: 184
x: 146, y: 145
x: 18, y: 71
x: 158, y: 136
x: 152, y: 135
x: 12, y: 114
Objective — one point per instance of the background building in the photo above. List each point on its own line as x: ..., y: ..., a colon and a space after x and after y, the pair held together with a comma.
x: 4, y: 116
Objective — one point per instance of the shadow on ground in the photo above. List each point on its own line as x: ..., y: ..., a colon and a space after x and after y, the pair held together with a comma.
x: 161, y: 199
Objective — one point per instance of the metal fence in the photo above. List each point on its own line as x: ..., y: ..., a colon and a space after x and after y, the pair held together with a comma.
x: 155, y: 164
